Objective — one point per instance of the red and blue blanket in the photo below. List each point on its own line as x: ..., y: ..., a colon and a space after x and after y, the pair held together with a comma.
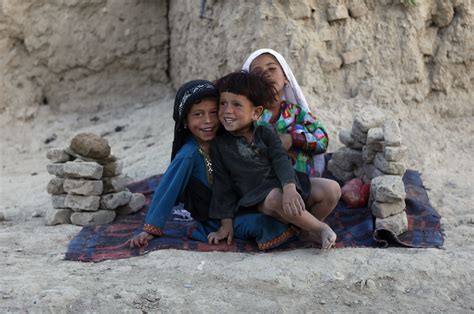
x: 354, y: 228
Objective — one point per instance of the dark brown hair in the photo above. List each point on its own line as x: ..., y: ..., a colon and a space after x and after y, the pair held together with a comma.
x: 256, y: 88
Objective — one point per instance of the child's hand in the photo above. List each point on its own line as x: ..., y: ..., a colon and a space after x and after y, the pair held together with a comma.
x: 292, y: 201
x: 225, y: 231
x: 140, y: 239
x: 286, y: 141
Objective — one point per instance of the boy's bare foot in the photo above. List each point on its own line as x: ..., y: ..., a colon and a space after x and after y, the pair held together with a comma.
x: 325, y: 236
x: 328, y: 237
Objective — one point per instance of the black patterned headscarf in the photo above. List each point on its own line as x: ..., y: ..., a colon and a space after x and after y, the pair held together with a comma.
x: 187, y: 95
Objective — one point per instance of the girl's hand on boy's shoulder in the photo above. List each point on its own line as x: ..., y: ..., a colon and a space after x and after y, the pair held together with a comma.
x: 293, y: 203
x: 140, y: 239
x: 225, y: 231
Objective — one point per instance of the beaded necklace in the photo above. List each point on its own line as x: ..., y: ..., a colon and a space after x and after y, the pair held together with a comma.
x: 208, y: 163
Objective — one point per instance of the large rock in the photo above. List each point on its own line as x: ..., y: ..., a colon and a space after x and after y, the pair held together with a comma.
x: 136, y: 203
x: 383, y: 210
x: 55, y: 186
x: 86, y: 170
x: 114, y: 200
x: 389, y: 167
x: 358, y: 10
x: 368, y: 154
x: 58, y: 155
x: 387, y: 189
x: 58, y: 216
x: 397, y: 224
x: 347, y: 158
x: 93, y: 218
x: 83, y: 187
x: 80, y: 202
x: 90, y: 145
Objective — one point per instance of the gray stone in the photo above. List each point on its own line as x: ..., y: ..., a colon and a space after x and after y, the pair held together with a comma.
x: 337, y: 12
x: 383, y: 210
x: 2, y: 216
x: 114, y: 200
x: 347, y: 158
x: 90, y: 145
x: 340, y: 174
x: 397, y: 224
x: 136, y: 203
x: 389, y: 167
x: 55, y: 186
x: 377, y: 173
x: 86, y: 170
x: 113, y: 169
x: 375, y: 136
x: 115, y: 184
x: 353, y: 56
x: 93, y: 218
x: 387, y: 189
x: 368, y: 154
x: 345, y: 137
x: 59, y: 201
x: 391, y: 133
x: 394, y: 153
x: 107, y: 160
x: 56, y: 170
x: 367, y: 118
x: 378, y: 147
x: 83, y: 187
x: 358, y: 134
x: 358, y: 172
x: 358, y: 10
x: 58, y: 216
x: 58, y: 155
x: 80, y: 202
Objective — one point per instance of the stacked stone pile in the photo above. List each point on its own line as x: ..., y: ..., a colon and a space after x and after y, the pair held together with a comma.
x: 88, y: 186
x: 374, y: 153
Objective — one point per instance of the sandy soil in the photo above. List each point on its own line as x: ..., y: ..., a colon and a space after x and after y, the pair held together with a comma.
x: 34, y: 277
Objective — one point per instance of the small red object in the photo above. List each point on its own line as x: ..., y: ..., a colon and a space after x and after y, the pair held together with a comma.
x: 355, y: 193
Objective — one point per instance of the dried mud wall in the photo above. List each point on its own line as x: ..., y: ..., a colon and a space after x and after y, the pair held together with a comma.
x: 82, y: 54
x: 77, y: 54
x: 386, y: 52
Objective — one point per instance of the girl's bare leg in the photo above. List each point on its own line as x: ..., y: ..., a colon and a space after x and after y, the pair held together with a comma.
x: 324, y: 196
x: 319, y: 231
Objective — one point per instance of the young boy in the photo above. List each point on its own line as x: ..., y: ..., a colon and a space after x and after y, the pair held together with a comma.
x: 252, y: 170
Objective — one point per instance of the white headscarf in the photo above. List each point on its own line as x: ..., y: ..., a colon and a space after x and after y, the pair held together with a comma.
x: 292, y: 92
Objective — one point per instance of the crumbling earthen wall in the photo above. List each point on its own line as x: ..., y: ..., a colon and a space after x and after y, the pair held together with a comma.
x: 75, y: 54
x: 383, y: 51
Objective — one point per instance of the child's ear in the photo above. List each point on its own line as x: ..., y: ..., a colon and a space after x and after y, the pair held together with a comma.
x: 257, y: 112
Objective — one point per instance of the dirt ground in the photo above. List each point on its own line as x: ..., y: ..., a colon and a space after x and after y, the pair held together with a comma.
x: 35, y: 278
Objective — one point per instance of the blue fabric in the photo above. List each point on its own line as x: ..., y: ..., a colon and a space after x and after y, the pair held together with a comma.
x: 252, y: 226
x: 188, y: 162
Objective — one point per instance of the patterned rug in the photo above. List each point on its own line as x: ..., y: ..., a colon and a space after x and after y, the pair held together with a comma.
x: 354, y: 228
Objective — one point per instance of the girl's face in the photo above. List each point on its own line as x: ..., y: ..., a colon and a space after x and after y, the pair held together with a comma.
x: 270, y: 68
x: 202, y: 121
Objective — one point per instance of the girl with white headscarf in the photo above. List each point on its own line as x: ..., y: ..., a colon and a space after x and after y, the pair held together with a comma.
x: 301, y: 132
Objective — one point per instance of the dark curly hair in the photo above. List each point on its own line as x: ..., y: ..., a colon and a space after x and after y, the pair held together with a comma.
x: 256, y: 88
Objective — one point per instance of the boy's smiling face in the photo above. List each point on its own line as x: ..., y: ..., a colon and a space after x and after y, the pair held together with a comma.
x: 237, y: 113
